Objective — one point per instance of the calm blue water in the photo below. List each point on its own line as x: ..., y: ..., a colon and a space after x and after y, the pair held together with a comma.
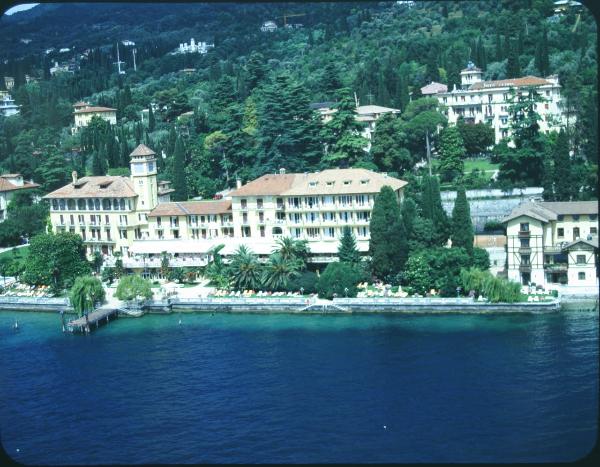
x: 285, y: 388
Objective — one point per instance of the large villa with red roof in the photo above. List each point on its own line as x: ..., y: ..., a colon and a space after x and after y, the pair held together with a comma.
x: 481, y: 101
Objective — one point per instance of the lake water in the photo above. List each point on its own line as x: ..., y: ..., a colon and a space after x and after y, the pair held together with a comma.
x: 234, y: 388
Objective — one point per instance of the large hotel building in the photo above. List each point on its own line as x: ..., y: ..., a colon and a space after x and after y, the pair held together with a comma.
x: 126, y: 214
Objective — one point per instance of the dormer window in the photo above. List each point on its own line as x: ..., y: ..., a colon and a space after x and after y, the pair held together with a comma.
x: 313, y: 184
x: 364, y: 181
x: 105, y: 185
x: 330, y: 183
x: 347, y: 182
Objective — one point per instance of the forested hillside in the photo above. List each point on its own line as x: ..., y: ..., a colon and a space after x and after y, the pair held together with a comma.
x: 249, y: 96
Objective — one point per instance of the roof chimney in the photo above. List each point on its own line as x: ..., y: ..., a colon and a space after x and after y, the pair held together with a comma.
x: 74, y: 176
x: 282, y: 171
x: 238, y: 183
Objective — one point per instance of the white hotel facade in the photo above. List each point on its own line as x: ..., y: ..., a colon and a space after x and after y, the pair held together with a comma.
x: 123, y: 214
x: 479, y: 101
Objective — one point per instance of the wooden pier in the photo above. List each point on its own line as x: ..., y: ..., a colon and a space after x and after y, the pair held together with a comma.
x: 93, y: 321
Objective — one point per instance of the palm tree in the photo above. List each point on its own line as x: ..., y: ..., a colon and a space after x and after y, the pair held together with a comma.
x: 289, y: 248
x: 279, y: 271
x: 245, y: 269
x: 85, y: 293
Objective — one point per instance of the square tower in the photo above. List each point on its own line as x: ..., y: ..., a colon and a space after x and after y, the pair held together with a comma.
x: 143, y: 176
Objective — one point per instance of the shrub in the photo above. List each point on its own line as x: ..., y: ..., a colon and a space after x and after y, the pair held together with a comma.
x: 306, y: 280
x: 495, y: 289
x: 340, y: 279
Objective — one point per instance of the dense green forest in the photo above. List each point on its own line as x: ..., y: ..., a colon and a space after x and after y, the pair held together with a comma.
x: 250, y: 96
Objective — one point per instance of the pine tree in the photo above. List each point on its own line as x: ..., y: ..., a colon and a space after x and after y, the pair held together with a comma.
x: 462, y: 227
x: 179, y: 180
x: 386, y: 149
x: 342, y: 134
x: 548, y: 181
x: 388, y: 245
x: 563, y: 183
x: 347, y: 251
x: 452, y: 152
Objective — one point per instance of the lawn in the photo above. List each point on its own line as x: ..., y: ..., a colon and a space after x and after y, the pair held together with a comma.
x: 19, y: 253
x: 481, y: 164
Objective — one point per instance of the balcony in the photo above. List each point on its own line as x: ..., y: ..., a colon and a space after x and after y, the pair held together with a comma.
x: 525, y: 268
x: 524, y: 233
x: 525, y: 250
x: 556, y: 267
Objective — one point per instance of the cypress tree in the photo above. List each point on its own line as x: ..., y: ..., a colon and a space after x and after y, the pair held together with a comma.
x: 388, y: 246
x: 462, y: 227
x: 347, y: 251
x: 98, y: 163
x: 179, y: 181
x: 548, y: 180
x: 432, y: 209
x: 409, y: 215
x: 563, y: 185
x: 151, y: 121
x: 513, y: 69
x: 499, y: 56
x: 452, y: 151
x: 544, y: 59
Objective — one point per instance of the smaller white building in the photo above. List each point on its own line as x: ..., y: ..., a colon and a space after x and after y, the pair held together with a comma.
x: 64, y: 68
x: 553, y: 243
x: 127, y: 43
x: 9, y: 185
x: 7, y: 105
x: 269, y: 26
x: 193, y: 47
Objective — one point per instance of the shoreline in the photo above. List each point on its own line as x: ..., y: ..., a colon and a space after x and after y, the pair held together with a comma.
x: 306, y: 306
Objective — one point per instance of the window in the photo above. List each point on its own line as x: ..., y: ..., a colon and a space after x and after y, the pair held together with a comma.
x: 575, y: 217
x: 279, y: 202
x: 158, y: 221
x: 259, y: 203
x: 174, y: 221
x: 575, y: 233
x: 262, y: 230
x: 581, y: 276
x: 123, y: 234
x: 560, y: 232
x: 329, y: 232
x: 560, y: 217
x: 593, y: 231
x: 525, y: 260
x: 593, y: 217
x: 175, y: 233
x: 580, y: 259
x: 312, y: 232
x: 106, y: 219
x: 524, y: 243
x: 245, y: 217
x: 261, y: 217
x: 524, y: 227
x: 243, y: 203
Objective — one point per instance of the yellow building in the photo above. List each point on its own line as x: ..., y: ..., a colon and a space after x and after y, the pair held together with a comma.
x: 109, y: 212
x: 311, y: 206
x: 542, y: 240
x: 84, y: 113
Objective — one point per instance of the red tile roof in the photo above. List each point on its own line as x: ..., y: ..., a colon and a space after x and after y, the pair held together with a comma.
x: 88, y: 110
x: 506, y: 83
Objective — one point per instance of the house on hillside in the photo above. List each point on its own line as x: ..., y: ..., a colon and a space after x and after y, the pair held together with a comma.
x: 84, y: 112
x: 9, y: 185
x: 269, y: 26
x: 7, y: 105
